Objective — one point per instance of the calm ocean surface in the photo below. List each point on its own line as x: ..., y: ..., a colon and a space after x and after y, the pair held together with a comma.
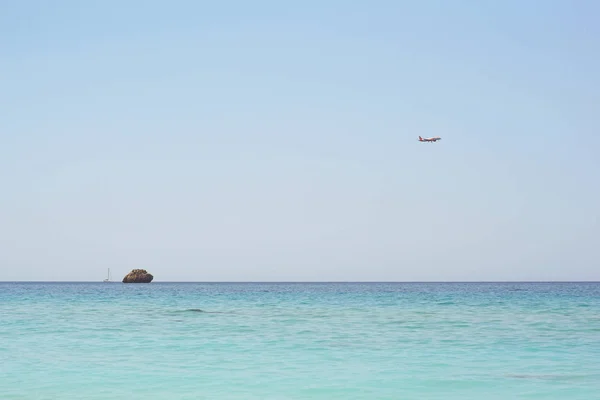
x: 300, y: 341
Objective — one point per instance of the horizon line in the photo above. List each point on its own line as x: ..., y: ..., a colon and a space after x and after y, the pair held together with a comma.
x: 303, y: 282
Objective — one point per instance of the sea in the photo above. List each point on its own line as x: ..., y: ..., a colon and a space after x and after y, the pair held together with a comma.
x: 170, y: 341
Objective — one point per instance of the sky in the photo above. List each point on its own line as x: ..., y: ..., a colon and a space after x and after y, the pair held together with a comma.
x: 277, y: 141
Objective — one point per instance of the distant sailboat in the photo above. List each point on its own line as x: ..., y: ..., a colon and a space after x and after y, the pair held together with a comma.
x: 108, y: 277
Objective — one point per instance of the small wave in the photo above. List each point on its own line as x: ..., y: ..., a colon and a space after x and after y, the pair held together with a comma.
x: 545, y: 376
x: 199, y: 310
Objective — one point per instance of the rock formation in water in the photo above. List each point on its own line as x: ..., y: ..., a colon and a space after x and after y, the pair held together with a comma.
x: 138, y: 276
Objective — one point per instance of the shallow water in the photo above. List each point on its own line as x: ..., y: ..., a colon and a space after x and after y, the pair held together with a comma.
x: 300, y: 341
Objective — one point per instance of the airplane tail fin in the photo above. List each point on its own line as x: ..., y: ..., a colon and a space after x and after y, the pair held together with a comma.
x: 420, y: 138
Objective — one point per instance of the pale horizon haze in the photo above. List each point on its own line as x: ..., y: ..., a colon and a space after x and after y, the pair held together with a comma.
x: 277, y: 141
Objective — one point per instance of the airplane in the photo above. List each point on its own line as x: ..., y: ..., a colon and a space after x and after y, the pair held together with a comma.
x: 433, y: 139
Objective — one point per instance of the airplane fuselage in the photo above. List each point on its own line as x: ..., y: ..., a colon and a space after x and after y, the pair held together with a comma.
x: 432, y: 139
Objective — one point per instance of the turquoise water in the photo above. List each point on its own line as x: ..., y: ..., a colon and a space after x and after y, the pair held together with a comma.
x: 299, y: 341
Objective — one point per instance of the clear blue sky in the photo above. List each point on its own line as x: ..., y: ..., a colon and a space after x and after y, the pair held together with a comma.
x: 269, y: 141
